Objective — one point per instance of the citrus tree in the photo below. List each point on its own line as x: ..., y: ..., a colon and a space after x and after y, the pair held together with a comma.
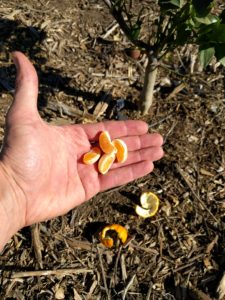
x: 179, y: 22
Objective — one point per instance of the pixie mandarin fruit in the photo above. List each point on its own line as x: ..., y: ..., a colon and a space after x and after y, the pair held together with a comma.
x: 116, y: 149
x: 105, y: 143
x: 149, y: 205
x: 111, y: 234
x: 105, y: 162
x: 92, y: 156
x: 122, y: 152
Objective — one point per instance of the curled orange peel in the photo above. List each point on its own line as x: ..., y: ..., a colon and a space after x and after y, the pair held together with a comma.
x: 149, y: 205
x: 110, y: 235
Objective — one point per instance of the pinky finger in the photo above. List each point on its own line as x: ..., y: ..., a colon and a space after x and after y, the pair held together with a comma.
x: 123, y: 175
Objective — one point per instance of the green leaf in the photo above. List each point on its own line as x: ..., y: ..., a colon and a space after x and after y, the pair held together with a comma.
x: 183, y: 34
x: 171, y: 4
x: 202, y: 7
x: 135, y: 30
x: 222, y: 16
x: 220, y: 53
x: 177, y: 3
x: 209, y: 19
x: 206, y: 56
x: 214, y: 33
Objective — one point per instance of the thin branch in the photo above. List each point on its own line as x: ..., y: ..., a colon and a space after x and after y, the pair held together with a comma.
x: 103, y: 274
x: 130, y: 283
x: 108, y: 3
x: 117, y: 14
x: 57, y: 272
x: 194, y: 193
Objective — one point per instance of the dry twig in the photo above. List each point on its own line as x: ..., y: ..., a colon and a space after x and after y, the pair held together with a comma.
x: 37, y: 244
x: 103, y: 273
x: 58, y: 272
x: 128, y: 286
x: 194, y: 193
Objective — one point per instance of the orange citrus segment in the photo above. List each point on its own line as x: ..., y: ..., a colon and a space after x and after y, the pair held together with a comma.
x: 105, y: 162
x: 92, y: 156
x: 122, y: 152
x: 105, y: 142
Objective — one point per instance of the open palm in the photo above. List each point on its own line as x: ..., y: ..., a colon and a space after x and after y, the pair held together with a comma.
x: 45, y: 161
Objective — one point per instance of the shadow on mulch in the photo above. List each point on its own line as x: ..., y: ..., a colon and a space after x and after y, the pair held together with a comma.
x: 17, y: 37
x: 93, y: 229
x: 127, y: 208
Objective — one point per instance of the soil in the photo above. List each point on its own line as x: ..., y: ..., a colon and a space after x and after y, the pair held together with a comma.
x: 85, y: 76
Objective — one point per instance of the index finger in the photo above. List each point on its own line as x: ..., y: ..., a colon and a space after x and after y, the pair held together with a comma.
x: 116, y: 129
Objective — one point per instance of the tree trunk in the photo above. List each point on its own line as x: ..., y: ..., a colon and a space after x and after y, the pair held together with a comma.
x: 149, y: 83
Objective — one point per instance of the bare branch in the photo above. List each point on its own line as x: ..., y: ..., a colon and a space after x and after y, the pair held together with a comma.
x: 108, y: 3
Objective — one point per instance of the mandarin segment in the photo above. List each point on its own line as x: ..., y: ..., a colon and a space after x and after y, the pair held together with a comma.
x: 116, y: 149
x: 105, y: 142
x: 92, y: 156
x: 105, y: 162
x: 122, y: 152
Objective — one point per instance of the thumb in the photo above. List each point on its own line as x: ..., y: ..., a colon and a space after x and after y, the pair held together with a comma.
x: 26, y: 92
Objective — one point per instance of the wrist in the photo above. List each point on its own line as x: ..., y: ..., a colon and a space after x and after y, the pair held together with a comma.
x: 12, y: 211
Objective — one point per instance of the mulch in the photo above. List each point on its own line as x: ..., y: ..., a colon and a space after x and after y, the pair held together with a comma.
x: 86, y: 76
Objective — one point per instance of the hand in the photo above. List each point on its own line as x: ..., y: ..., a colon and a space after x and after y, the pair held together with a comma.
x: 43, y: 163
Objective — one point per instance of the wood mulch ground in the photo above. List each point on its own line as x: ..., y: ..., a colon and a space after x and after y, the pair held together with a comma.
x: 86, y: 76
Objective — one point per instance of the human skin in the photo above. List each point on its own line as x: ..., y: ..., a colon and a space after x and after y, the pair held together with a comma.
x: 41, y: 171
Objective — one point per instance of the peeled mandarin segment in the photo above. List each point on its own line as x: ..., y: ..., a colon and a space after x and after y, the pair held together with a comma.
x: 105, y: 142
x: 105, y: 162
x: 149, y: 200
x: 92, y: 156
x: 122, y: 152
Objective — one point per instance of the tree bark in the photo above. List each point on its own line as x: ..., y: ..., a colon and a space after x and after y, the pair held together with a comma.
x: 149, y: 83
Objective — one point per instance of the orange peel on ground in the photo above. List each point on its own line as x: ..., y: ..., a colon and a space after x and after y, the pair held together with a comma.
x: 111, y: 234
x: 112, y: 150
x: 149, y: 205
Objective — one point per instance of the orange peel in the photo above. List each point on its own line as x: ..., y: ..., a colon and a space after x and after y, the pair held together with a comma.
x: 110, y: 235
x: 149, y: 205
